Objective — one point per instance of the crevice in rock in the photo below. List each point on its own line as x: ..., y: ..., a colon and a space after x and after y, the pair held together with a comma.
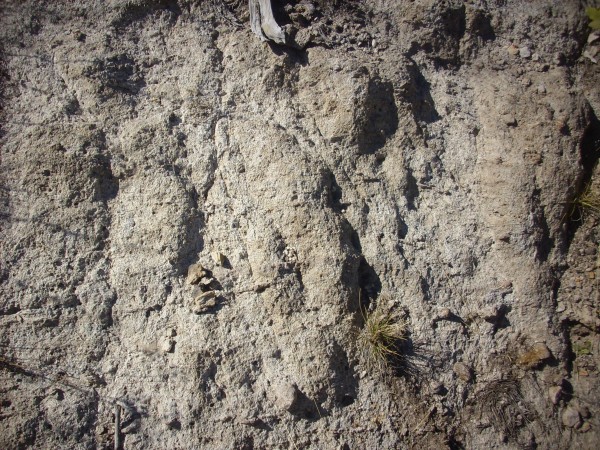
x: 368, y: 282
x: 544, y: 243
x: 344, y: 381
x: 411, y: 192
x: 589, y: 153
x: 379, y: 119
x: 416, y: 91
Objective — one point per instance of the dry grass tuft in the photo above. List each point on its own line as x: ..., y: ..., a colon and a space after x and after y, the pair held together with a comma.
x: 503, y: 404
x: 380, y: 337
x: 586, y: 203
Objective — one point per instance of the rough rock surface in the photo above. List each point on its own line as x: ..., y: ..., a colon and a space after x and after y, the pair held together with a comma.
x: 417, y: 156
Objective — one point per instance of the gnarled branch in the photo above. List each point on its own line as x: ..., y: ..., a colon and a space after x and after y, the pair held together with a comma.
x: 263, y: 23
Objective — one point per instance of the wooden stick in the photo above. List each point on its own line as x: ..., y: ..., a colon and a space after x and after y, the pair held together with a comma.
x: 117, y: 427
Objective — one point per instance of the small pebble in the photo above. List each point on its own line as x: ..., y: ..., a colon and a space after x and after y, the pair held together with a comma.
x: 195, y: 273
x: 513, y: 50
x: 535, y: 356
x: 526, y: 82
x: 571, y: 418
x: 445, y: 314
x: 462, y: 371
x: 554, y: 394
x: 285, y: 394
x: 204, y: 301
x: 524, y: 52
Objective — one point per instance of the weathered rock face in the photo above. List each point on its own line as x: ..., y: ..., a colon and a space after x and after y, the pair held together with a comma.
x: 192, y: 221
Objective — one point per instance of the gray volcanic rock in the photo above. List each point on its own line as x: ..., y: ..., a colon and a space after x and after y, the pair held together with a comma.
x: 194, y: 224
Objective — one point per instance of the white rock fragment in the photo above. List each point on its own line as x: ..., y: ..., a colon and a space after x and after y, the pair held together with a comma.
x: 554, y: 394
x: 524, y: 52
x: 218, y: 258
x: 166, y: 345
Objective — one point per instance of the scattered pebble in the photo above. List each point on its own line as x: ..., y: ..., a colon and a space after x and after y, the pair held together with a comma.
x: 204, y: 301
x: 541, y: 89
x: 195, y: 273
x: 554, y: 394
x: 571, y: 418
x: 285, y: 395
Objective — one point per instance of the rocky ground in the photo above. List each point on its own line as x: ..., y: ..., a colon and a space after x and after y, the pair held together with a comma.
x: 194, y: 224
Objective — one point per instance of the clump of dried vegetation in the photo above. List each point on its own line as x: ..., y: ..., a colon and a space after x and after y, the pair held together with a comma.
x: 380, y: 338
x: 586, y: 203
x: 504, y: 406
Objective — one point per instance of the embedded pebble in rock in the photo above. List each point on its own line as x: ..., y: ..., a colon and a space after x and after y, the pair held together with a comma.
x: 285, y: 395
x: 512, y: 50
x: 535, y: 356
x: 571, y: 418
x: 524, y: 52
x: 463, y: 372
x: 203, y: 301
x: 218, y: 258
x: 195, y: 274
x: 554, y: 394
